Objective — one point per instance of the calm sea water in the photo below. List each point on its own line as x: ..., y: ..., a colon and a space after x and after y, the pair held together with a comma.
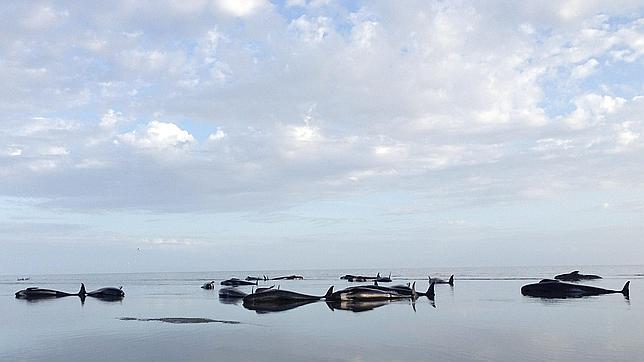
x: 483, y: 317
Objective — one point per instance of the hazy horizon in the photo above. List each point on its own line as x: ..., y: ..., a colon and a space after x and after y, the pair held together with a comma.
x: 319, y: 134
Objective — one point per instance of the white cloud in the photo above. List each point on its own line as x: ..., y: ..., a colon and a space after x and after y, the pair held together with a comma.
x: 13, y: 151
x: 56, y: 151
x: 43, y: 17
x: 217, y: 136
x: 159, y: 135
x: 43, y: 165
x: 241, y: 8
x: 312, y: 31
x: 305, y: 133
x: 110, y: 119
x: 584, y: 70
x: 592, y: 109
x: 625, y: 136
x: 40, y: 125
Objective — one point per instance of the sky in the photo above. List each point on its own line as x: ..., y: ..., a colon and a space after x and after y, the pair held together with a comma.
x: 304, y: 134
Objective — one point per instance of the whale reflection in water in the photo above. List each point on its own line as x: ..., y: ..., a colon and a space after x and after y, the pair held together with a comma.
x: 276, y: 306
x: 356, y: 306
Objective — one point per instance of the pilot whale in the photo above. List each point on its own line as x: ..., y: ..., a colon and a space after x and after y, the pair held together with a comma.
x: 549, y: 288
x: 109, y: 293
x: 450, y: 281
x: 575, y: 276
x: 289, y: 277
x: 234, y: 282
x: 267, y: 295
x: 38, y: 293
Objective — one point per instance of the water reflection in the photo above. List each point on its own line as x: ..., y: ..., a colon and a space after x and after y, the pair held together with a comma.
x: 229, y: 300
x: 276, y: 306
x: 356, y: 306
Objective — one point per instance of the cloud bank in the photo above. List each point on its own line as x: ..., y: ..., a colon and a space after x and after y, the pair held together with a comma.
x: 387, y: 118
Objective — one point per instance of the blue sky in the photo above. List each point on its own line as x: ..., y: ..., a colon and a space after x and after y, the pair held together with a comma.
x: 229, y: 135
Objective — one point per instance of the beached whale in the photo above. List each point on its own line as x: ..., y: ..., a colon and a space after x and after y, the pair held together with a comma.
x: 549, y: 288
x: 289, y: 277
x: 364, y: 278
x: 357, y: 278
x: 37, y: 293
x: 250, y: 278
x: 450, y: 281
x: 383, y: 279
x: 575, y: 276
x: 234, y: 282
x: 208, y: 285
x: 403, y: 289
x: 108, y: 293
x: 375, y: 292
x: 266, y: 295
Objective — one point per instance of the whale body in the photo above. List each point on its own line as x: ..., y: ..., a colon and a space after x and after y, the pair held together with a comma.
x: 549, y: 288
x: 575, y: 276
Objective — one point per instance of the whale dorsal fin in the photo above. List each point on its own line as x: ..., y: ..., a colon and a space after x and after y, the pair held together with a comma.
x: 575, y: 272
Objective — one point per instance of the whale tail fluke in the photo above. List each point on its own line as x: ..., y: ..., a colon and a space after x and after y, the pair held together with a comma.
x: 82, y: 291
x: 451, y: 280
x: 328, y: 294
x: 625, y: 289
x: 430, y: 291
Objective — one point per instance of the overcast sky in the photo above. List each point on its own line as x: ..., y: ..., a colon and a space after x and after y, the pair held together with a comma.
x: 247, y: 134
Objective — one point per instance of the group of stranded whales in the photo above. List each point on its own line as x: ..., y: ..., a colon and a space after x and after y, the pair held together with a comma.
x: 109, y: 293
x: 355, y: 298
x: 555, y: 288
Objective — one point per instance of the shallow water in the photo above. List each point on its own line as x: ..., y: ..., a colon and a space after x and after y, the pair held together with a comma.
x: 483, y: 317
